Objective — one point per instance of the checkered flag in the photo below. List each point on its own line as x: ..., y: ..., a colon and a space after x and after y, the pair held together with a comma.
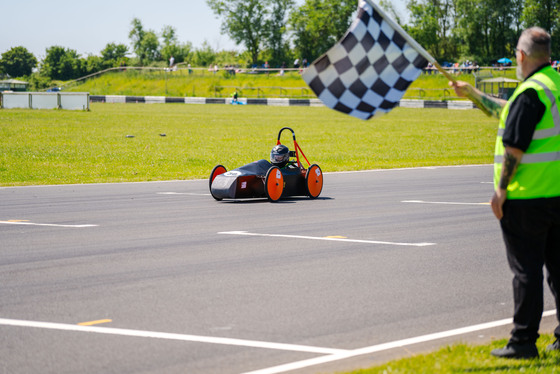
x: 367, y: 72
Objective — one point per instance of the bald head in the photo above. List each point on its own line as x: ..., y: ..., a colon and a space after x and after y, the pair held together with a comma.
x: 535, y: 43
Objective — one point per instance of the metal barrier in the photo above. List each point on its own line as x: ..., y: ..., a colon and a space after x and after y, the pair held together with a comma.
x: 262, y: 92
x: 45, y: 100
x: 435, y: 94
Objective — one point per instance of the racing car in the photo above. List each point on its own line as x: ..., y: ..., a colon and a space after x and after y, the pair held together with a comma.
x: 282, y: 176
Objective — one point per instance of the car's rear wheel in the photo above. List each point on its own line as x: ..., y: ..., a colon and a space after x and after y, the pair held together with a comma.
x: 274, y: 184
x: 314, y: 181
x: 218, y: 169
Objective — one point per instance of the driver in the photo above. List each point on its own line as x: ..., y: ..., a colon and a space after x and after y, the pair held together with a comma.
x: 280, y: 155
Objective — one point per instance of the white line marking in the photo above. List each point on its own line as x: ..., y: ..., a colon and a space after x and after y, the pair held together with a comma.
x: 184, y: 193
x: 170, y: 336
x: 206, y: 179
x: 385, y: 346
x: 43, y: 224
x: 406, y: 169
x: 325, y: 238
x: 441, y: 202
x: 330, y: 353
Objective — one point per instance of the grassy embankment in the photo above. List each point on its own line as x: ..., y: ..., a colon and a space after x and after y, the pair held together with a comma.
x: 202, y: 83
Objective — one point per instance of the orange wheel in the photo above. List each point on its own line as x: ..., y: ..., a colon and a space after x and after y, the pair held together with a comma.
x: 274, y: 184
x: 314, y: 181
x: 219, y: 169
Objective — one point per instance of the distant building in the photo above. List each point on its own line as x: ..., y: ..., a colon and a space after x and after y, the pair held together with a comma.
x: 13, y: 85
x: 500, y: 87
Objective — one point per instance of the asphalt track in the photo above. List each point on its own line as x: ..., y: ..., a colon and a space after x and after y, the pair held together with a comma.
x: 160, y: 278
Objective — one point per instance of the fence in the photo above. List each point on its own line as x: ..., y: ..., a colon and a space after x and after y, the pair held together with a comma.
x: 45, y: 100
x: 160, y: 72
x: 430, y: 94
x: 262, y: 92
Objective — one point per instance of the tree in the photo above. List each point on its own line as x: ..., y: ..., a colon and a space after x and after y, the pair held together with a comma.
x: 546, y: 14
x: 172, y: 47
x: 543, y: 13
x: 517, y: 14
x: 180, y: 52
x: 469, y: 29
x: 170, y: 44
x: 169, y: 35
x: 114, y: 55
x: 277, y: 29
x: 503, y: 38
x: 17, y: 62
x: 245, y: 21
x: 91, y: 64
x: 149, y: 48
x: 38, y: 81
x: 488, y: 29
x: 61, y: 63
x: 145, y: 44
x: 431, y: 26
x: 390, y: 9
x: 136, y: 34
x: 318, y: 24
x: 204, y: 56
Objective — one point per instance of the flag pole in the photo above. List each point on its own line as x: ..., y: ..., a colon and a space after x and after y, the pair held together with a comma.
x: 414, y: 44
x: 472, y: 96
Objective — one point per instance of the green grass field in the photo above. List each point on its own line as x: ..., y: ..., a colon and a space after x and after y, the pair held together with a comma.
x: 60, y: 147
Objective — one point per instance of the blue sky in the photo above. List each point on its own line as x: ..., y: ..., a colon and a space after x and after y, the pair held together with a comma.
x: 87, y: 26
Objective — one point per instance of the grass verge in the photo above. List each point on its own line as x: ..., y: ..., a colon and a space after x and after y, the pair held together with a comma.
x: 60, y: 147
x: 462, y: 358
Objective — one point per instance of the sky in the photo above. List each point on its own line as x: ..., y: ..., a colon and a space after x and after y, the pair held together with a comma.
x: 88, y: 26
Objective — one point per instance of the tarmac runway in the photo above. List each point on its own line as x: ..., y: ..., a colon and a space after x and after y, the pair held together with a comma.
x: 158, y: 277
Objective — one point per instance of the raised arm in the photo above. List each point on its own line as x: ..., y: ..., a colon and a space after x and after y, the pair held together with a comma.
x: 493, y: 105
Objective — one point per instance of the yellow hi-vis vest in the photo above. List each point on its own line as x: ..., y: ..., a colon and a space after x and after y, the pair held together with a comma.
x: 538, y: 174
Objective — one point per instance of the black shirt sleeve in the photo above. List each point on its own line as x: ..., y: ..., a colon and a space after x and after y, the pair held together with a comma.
x: 525, y: 113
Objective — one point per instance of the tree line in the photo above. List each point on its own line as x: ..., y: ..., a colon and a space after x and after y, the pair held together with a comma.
x: 479, y: 30
x: 279, y: 31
